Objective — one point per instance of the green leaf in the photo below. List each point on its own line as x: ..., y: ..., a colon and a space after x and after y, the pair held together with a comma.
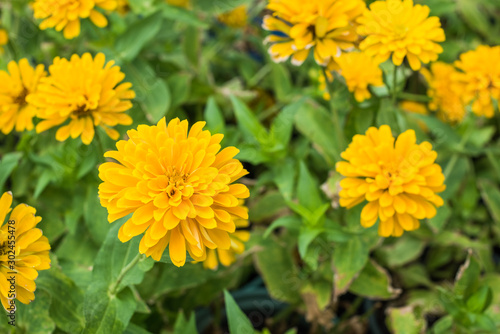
x: 8, y: 163
x: 290, y: 222
x: 315, y: 123
x: 403, y: 320
x: 282, y: 83
x: 34, y: 318
x: 404, y: 250
x: 152, y: 92
x: 374, y: 283
x: 105, y: 313
x: 308, y: 189
x: 282, y: 126
x: 95, y: 216
x: 218, y: 6
x: 114, y: 256
x: 306, y: 237
x: 274, y: 262
x: 185, y: 327
x: 349, y: 258
x: 491, y: 196
x: 266, y: 206
x: 473, y: 16
x: 443, y: 325
x: 238, y: 321
x: 248, y: 122
x: 480, y: 300
x: 137, y: 36
x: 180, y: 85
x: 67, y: 299
x: 214, y: 117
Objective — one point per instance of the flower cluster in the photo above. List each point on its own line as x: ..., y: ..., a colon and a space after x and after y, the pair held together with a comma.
x: 66, y: 14
x: 445, y: 92
x: 86, y: 92
x: 401, y: 29
x: 178, y: 185
x: 360, y: 70
x: 19, y: 236
x: 479, y: 79
x: 15, y: 85
x: 398, y: 178
x: 327, y: 27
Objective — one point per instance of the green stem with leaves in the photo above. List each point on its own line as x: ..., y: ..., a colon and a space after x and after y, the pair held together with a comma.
x: 395, y: 85
x: 113, y: 289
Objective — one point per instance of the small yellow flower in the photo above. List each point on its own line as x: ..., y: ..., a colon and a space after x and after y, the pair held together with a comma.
x: 228, y: 256
x: 359, y: 70
x: 15, y: 85
x: 178, y: 186
x: 399, y: 179
x: 4, y: 39
x: 23, y: 250
x: 66, y: 14
x: 86, y: 92
x: 236, y: 18
x: 400, y: 29
x: 178, y: 3
x: 480, y: 78
x: 445, y: 91
x: 414, y: 107
x: 325, y: 26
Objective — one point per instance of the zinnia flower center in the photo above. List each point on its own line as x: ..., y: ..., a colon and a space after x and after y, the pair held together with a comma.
x: 176, y: 183
x: 21, y: 98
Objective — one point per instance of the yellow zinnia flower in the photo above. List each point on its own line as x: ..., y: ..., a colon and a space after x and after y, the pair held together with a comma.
x: 359, y: 70
x: 399, y: 179
x: 445, y: 91
x: 399, y: 28
x: 66, y: 14
x: 86, y: 92
x: 23, y: 252
x: 227, y: 256
x: 179, y: 188
x: 4, y: 39
x: 480, y: 77
x: 327, y: 26
x: 15, y: 85
x: 236, y: 18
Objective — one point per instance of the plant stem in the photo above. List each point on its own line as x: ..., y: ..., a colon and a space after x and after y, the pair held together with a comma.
x: 113, y: 289
x: 336, y: 119
x: 394, y: 85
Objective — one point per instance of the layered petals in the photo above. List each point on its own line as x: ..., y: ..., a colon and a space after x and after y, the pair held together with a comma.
x: 178, y: 185
x: 397, y: 177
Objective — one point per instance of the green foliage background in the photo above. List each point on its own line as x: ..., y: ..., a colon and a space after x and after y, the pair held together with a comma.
x: 308, y: 267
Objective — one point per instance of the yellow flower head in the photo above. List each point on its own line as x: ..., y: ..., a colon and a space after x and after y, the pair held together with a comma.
x: 414, y: 107
x: 237, y: 18
x: 400, y: 29
x: 179, y: 188
x: 326, y: 26
x: 445, y: 92
x: 66, y: 14
x: 86, y: 92
x: 399, y: 179
x: 360, y: 70
x: 4, y: 39
x: 178, y: 3
x: 23, y: 250
x: 228, y: 256
x: 15, y: 85
x: 481, y: 78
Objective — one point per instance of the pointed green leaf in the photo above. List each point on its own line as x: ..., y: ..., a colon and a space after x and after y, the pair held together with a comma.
x: 238, y: 321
